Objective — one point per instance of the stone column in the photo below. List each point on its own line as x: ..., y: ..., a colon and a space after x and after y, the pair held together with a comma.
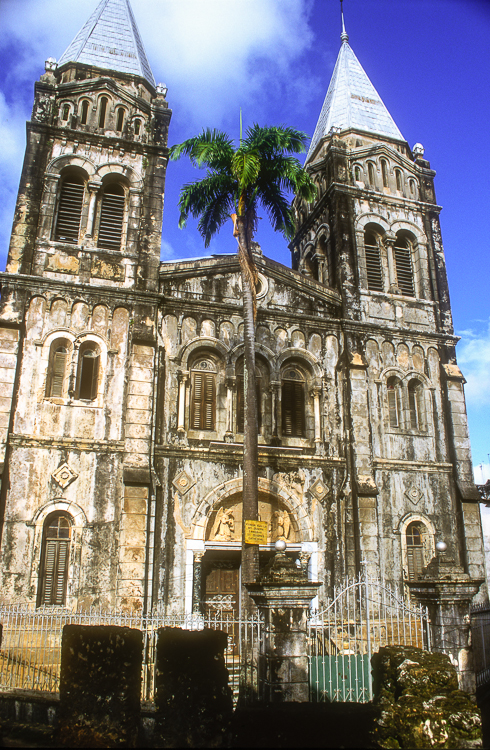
x: 181, y: 410
x: 274, y: 389
x: 283, y: 595
x: 93, y: 188
x: 315, y: 392
x: 196, y: 583
x: 230, y: 387
x: 447, y: 591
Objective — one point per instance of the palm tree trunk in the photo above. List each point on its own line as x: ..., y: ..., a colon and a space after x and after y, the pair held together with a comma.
x: 250, y: 552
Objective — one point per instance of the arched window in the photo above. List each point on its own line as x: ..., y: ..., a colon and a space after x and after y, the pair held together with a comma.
x: 88, y: 371
x: 394, y: 401
x: 293, y: 403
x: 203, y: 395
x: 57, y: 369
x: 373, y: 262
x: 120, y: 119
x: 84, y: 115
x: 111, y: 217
x: 398, y: 177
x: 240, y: 393
x: 415, y: 404
x: 415, y: 549
x: 371, y: 178
x: 412, y: 186
x: 66, y: 112
x: 54, y: 560
x: 403, y: 264
x: 102, y: 111
x: 357, y: 174
x: 384, y: 172
x: 137, y: 127
x: 69, y: 210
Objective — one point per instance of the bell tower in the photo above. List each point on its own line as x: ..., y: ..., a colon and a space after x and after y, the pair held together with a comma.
x: 90, y: 200
x: 373, y: 234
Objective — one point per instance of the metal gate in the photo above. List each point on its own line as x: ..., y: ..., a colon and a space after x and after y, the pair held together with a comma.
x: 362, y: 616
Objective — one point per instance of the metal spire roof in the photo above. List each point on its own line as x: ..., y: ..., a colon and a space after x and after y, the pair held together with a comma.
x: 110, y: 39
x: 352, y: 102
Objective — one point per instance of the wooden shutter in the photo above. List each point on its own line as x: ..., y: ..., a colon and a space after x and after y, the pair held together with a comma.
x: 404, y: 272
x: 55, y: 571
x: 111, y: 220
x: 69, y: 211
x: 293, y: 408
x: 203, y: 401
x: 415, y: 560
x: 373, y: 268
x: 58, y: 373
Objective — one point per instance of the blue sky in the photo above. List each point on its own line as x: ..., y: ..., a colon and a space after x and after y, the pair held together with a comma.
x: 429, y: 62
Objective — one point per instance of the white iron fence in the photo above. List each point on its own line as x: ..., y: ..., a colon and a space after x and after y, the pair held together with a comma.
x: 30, y: 653
x: 480, y: 641
x: 362, y: 616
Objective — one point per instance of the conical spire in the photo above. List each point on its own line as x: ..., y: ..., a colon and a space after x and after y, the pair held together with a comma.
x: 352, y: 102
x: 110, y: 39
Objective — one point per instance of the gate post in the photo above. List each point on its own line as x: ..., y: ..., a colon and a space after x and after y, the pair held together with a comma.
x: 283, y: 594
x: 446, y: 590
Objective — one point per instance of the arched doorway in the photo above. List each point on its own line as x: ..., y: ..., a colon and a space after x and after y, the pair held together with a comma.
x: 220, y: 564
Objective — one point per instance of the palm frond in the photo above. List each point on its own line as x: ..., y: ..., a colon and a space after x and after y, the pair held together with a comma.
x: 211, y: 148
x: 276, y: 139
x: 195, y: 197
x: 245, y: 167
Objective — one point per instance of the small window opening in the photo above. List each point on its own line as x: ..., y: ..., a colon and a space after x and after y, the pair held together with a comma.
x: 120, y: 119
x: 393, y: 387
x: 88, y: 374
x: 384, y: 172
x: 102, y: 111
x: 412, y: 187
x: 415, y: 404
x: 137, y: 126
x: 398, y: 176
x: 371, y: 174
x: 357, y: 174
x: 84, y: 116
x: 66, y: 112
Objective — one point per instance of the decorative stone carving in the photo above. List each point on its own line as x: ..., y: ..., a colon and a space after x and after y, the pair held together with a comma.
x: 64, y: 475
x: 183, y: 483
x: 319, y: 489
x: 414, y: 494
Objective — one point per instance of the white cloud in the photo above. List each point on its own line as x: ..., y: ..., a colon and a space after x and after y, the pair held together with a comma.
x: 474, y: 359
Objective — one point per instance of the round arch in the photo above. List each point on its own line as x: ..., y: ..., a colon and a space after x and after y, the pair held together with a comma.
x: 209, y: 343
x: 234, y: 487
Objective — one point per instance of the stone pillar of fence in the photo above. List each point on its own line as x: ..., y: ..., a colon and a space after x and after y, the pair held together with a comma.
x: 446, y: 590
x: 100, y: 686
x: 283, y: 594
x: 193, y: 700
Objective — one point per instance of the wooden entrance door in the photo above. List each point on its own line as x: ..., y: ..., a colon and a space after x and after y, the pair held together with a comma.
x: 221, y: 589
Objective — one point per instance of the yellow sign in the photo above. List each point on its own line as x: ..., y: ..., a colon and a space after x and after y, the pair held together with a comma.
x: 255, y: 532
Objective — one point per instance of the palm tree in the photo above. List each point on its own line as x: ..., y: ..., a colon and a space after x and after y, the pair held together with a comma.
x: 237, y: 181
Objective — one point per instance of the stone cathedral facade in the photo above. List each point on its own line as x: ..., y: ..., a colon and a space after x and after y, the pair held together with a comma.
x: 122, y: 377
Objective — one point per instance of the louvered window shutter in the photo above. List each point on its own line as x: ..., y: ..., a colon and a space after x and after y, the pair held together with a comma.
x: 49, y: 571
x: 404, y: 271
x: 61, y: 570
x: 203, y: 401
x: 69, y: 211
x: 393, y: 405
x: 111, y: 219
x: 58, y: 373
x: 293, y: 408
x: 415, y: 559
x: 373, y: 268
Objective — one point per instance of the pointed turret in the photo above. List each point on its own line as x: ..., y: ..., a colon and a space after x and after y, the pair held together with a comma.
x: 352, y: 102
x: 110, y: 39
